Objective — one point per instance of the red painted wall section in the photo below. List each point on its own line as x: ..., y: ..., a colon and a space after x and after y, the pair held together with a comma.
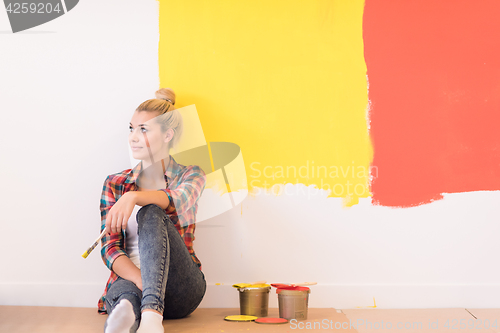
x: 434, y: 86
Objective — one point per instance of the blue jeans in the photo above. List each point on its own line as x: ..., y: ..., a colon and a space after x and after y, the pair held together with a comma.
x: 172, y: 282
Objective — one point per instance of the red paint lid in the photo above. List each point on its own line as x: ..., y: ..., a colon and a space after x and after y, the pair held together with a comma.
x: 271, y: 321
x: 297, y: 288
x: 282, y: 286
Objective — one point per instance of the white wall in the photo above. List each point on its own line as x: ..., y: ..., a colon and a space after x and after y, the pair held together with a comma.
x: 67, y: 91
x: 439, y: 255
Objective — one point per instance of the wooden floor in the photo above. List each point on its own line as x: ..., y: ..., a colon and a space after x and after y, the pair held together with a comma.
x: 17, y: 319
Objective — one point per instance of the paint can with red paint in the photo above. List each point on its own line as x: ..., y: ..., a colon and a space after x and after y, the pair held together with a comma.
x: 293, y: 301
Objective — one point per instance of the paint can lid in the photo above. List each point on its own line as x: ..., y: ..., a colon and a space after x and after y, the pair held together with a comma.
x: 281, y: 286
x: 267, y: 320
x: 251, y: 285
x: 240, y: 318
x: 293, y: 290
x: 302, y: 284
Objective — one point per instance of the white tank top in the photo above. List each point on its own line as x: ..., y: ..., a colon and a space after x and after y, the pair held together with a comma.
x: 132, y: 239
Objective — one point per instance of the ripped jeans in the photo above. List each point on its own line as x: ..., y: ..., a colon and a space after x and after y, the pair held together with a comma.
x: 172, y: 282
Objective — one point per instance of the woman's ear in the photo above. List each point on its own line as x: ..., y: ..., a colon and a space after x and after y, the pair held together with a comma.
x: 169, y: 135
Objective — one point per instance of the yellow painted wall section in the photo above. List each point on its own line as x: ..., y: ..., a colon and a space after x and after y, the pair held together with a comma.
x: 285, y: 80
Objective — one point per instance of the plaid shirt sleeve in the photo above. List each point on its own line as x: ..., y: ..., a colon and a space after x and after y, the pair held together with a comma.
x: 185, y: 196
x: 112, y: 244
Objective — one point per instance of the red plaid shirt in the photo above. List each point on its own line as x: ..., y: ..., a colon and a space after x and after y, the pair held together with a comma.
x: 185, y: 184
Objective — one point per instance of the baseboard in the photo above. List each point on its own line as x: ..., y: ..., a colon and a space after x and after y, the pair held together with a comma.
x: 337, y: 296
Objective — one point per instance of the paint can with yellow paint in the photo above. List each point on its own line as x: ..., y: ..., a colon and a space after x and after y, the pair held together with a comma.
x: 254, y: 299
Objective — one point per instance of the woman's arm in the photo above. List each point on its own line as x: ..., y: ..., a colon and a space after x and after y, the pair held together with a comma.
x: 186, y: 195
x: 143, y: 198
x: 126, y: 269
x: 113, y: 253
x: 112, y: 244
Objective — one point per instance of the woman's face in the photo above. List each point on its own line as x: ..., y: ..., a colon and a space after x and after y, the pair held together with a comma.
x: 145, y: 130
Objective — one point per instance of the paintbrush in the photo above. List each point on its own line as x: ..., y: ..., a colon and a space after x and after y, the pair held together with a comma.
x: 90, y: 249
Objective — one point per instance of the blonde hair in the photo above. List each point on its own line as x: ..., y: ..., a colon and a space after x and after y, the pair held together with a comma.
x: 168, y: 115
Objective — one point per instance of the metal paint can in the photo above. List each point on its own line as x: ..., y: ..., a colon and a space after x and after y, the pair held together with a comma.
x: 293, y: 302
x: 254, y: 301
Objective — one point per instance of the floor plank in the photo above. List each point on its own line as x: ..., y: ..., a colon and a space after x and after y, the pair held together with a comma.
x: 487, y: 318
x: 24, y: 319
x: 455, y: 320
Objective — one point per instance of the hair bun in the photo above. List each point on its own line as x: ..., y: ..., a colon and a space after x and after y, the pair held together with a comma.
x: 166, y: 94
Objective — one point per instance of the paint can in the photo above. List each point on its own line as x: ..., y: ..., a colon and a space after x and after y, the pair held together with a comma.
x: 254, y: 300
x: 293, y: 302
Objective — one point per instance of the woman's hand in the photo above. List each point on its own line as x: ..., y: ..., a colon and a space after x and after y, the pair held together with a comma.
x: 119, y: 214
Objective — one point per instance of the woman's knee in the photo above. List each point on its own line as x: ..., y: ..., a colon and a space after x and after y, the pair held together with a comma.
x: 150, y: 214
